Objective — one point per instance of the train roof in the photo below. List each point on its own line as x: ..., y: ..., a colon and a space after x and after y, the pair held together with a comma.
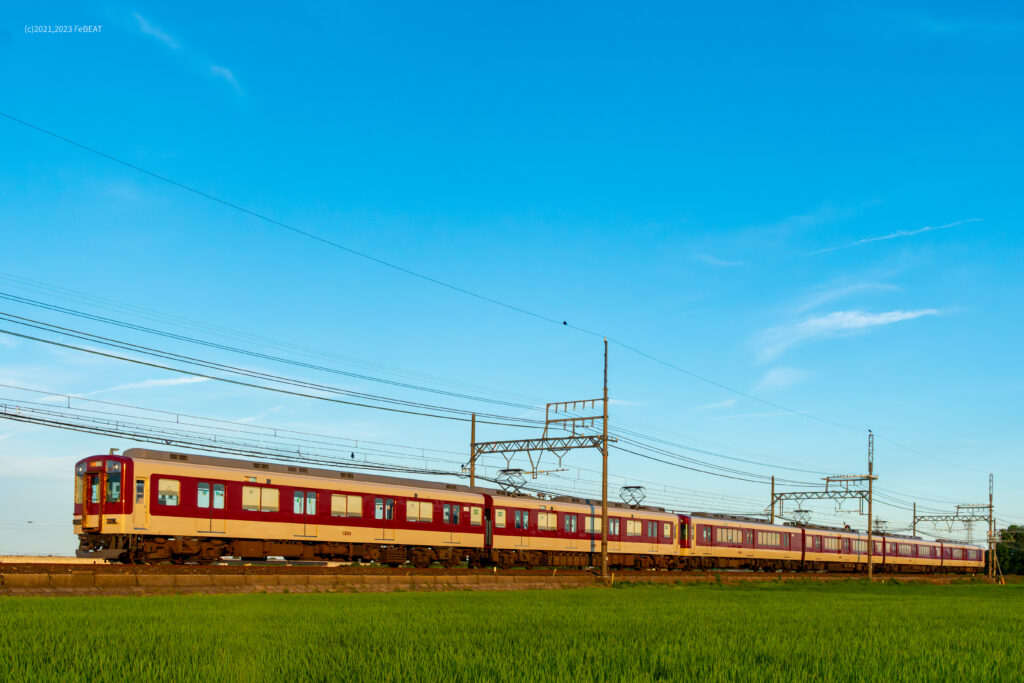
x: 250, y: 465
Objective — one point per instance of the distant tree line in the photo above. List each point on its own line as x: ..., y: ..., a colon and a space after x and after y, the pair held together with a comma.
x: 1010, y: 549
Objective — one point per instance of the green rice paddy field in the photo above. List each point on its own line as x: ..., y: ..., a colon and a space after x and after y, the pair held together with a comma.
x: 784, y: 632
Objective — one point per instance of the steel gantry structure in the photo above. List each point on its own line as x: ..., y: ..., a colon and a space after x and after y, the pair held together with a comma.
x: 967, y: 514
x: 839, y: 488
x: 557, y: 415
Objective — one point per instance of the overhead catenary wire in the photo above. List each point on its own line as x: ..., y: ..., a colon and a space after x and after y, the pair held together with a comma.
x: 441, y: 283
x: 461, y: 415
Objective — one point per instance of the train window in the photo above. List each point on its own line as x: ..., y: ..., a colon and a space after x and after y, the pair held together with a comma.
x: 346, y: 506
x: 707, y: 534
x: 476, y: 516
x: 298, y: 501
x: 522, y: 519
x: 269, y: 500
x: 419, y: 511
x: 79, y: 490
x: 633, y: 527
x: 140, y: 490
x: 667, y: 530
x: 832, y: 544
x: 592, y: 525
x: 114, y: 487
x: 389, y: 508
x: 378, y: 508
x: 251, y: 498
x: 311, y: 503
x: 748, y: 538
x: 218, y: 496
x: 547, y: 521
x: 167, y: 491
x: 652, y: 529
x: 499, y: 518
x: 613, y: 527
x: 202, y: 495
x: 451, y: 513
x: 570, y: 523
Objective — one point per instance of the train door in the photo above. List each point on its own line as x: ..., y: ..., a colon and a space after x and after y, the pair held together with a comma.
x: 140, y: 513
x: 92, y: 507
x: 453, y: 518
x: 304, y: 505
x: 522, y: 522
x: 384, y: 513
x: 614, y: 537
x: 653, y: 533
x: 204, y: 519
x: 218, y: 516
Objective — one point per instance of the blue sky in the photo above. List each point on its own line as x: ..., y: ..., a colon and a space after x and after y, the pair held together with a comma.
x: 816, y: 205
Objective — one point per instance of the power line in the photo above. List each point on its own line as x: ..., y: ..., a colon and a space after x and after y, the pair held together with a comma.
x: 253, y: 354
x: 236, y: 382
x: 441, y: 283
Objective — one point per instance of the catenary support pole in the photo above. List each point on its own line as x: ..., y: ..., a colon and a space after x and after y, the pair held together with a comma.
x: 472, y: 452
x: 773, y: 500
x: 604, y: 473
x: 991, y: 532
x: 871, y: 480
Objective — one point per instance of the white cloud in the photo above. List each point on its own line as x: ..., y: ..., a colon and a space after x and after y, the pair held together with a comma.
x: 895, y: 235
x: 712, y: 261
x: 826, y: 295
x: 226, y: 74
x: 149, y: 384
x: 260, y: 416
x: 778, y: 340
x: 151, y: 30
x: 780, y: 377
x: 727, y: 403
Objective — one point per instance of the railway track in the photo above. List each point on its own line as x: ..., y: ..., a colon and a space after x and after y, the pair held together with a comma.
x: 77, y: 579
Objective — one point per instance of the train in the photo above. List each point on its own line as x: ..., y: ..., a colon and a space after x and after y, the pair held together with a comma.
x: 149, y: 506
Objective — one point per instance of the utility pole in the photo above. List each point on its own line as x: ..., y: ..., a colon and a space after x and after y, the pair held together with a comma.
x: 871, y: 480
x: 581, y: 430
x: 604, y: 472
x: 991, y: 532
x: 913, y: 531
x: 472, y: 460
x: 773, y: 500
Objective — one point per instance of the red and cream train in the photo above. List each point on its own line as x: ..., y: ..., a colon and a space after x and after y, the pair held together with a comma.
x: 151, y: 506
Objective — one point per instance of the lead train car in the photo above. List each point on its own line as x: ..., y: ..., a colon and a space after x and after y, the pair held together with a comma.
x: 147, y: 505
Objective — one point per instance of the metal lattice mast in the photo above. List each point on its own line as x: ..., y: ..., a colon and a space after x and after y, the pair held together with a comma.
x: 579, y: 438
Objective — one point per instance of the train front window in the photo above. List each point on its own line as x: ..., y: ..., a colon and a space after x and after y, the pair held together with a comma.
x: 79, y: 490
x: 114, y: 488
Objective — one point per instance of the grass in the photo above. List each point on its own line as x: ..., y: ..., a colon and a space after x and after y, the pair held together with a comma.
x: 783, y: 632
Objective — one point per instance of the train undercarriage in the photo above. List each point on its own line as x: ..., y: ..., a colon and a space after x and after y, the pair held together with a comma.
x: 136, y: 549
